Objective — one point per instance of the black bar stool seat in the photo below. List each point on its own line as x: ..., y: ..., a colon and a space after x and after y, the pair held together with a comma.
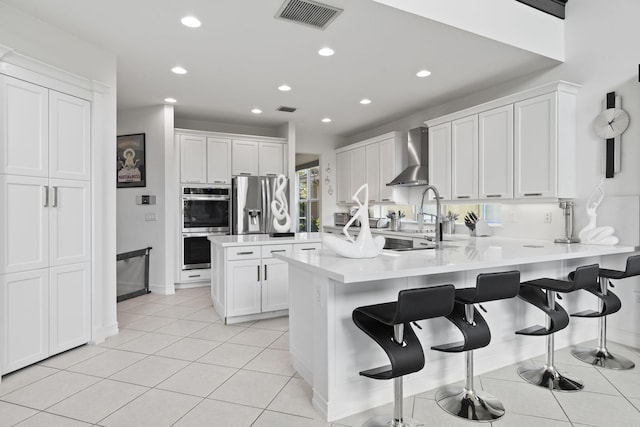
x: 388, y: 324
x: 541, y: 293
x: 468, y: 403
x: 609, y: 303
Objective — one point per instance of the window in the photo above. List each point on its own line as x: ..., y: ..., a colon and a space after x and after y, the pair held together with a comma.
x: 308, y: 202
x: 490, y: 213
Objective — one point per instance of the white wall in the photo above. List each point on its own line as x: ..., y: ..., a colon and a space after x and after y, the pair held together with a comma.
x: 38, y: 40
x: 133, y: 231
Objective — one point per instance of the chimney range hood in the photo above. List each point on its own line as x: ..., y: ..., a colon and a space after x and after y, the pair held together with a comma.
x: 417, y: 171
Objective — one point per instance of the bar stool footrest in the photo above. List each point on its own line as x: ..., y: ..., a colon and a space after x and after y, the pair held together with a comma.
x: 534, y: 330
x: 452, y: 347
x: 587, y: 313
x: 379, y: 373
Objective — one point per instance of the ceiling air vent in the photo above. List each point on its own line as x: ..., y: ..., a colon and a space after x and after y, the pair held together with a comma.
x: 308, y: 12
x: 286, y: 109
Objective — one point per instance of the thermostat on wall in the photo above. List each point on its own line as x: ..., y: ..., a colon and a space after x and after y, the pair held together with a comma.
x: 145, y: 199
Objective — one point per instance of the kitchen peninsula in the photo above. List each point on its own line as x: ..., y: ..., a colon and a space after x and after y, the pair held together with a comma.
x: 329, y: 351
x: 247, y: 282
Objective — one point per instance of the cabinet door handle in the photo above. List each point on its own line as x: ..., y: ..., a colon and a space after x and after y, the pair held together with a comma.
x: 278, y: 250
x: 194, y: 275
x: 244, y: 174
x: 424, y: 244
x: 217, y: 181
x: 494, y: 195
x: 386, y: 200
x: 308, y: 249
x: 55, y: 197
x: 463, y: 197
x: 439, y: 197
x: 532, y: 194
x: 272, y: 174
x: 265, y: 272
x: 46, y: 196
x: 372, y: 200
x: 245, y: 253
x: 258, y: 273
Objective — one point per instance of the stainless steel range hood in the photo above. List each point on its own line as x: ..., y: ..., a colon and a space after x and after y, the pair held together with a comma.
x: 417, y: 171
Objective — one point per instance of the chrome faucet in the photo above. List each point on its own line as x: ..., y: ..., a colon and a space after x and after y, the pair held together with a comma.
x: 438, y: 217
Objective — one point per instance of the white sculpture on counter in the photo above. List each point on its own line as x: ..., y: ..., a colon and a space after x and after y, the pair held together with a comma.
x: 591, y: 234
x: 280, y: 207
x: 365, y: 245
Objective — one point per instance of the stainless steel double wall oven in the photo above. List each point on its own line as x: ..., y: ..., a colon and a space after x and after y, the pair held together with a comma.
x: 205, y: 211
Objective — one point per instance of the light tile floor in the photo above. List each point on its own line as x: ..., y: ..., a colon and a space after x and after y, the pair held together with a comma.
x: 175, y: 364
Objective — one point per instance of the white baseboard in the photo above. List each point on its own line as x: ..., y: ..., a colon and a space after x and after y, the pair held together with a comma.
x: 627, y: 338
x: 104, y: 332
x: 162, y: 289
x: 192, y: 285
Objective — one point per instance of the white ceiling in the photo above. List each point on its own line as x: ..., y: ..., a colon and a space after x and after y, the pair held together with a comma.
x: 241, y: 54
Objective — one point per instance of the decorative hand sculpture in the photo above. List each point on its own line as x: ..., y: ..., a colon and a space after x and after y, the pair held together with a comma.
x: 280, y: 207
x: 365, y: 245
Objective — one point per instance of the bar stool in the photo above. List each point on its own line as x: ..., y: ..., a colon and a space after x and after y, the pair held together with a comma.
x: 609, y: 303
x: 469, y: 403
x: 388, y: 325
x: 542, y: 294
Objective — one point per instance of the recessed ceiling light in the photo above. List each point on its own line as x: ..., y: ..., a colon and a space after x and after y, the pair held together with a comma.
x: 191, y: 22
x: 326, y: 51
x: 365, y: 101
x: 179, y: 70
x: 170, y: 100
x: 284, y: 88
x: 423, y: 73
x: 256, y: 111
x: 326, y: 120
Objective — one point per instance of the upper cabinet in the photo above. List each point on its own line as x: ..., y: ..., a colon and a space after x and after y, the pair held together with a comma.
x: 440, y: 159
x: 245, y: 155
x: 521, y: 146
x: 376, y: 162
x: 211, y: 158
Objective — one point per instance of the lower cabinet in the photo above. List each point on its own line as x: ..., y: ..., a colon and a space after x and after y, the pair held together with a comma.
x: 256, y: 282
x: 43, y: 312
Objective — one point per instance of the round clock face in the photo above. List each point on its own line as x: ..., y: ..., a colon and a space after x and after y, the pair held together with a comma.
x: 611, y: 123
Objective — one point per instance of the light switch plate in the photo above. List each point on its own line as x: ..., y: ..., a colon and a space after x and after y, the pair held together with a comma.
x: 150, y: 216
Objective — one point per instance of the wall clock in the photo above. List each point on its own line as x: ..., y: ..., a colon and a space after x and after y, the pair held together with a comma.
x: 609, y: 125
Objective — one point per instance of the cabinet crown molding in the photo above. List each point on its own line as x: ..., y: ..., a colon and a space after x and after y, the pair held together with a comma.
x: 375, y: 139
x: 557, y: 86
x: 244, y: 137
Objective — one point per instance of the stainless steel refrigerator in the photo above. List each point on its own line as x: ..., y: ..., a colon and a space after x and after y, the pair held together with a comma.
x: 251, y: 204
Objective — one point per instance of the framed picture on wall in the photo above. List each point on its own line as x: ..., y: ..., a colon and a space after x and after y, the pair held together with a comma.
x: 130, y: 163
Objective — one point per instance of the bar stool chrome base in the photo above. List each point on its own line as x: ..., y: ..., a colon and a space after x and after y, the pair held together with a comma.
x: 469, y: 404
x: 549, y: 377
x: 602, y: 358
x: 388, y: 421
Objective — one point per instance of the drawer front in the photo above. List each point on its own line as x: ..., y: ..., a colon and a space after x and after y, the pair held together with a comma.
x: 197, y: 275
x: 243, y: 252
x: 308, y: 246
x: 269, y: 250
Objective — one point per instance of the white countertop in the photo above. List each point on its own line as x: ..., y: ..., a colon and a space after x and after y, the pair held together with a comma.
x: 465, y: 254
x: 263, y: 239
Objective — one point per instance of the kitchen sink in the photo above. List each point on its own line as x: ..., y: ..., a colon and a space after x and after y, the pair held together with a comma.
x: 419, y: 248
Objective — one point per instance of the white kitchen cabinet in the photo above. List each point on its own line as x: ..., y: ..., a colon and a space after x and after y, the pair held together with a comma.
x: 24, y: 319
x: 495, y: 153
x: 244, y: 294
x: 69, y: 307
x: 372, y: 154
x: 343, y: 177
x: 45, y: 223
x: 193, y: 159
x: 390, y: 167
x: 464, y: 158
x: 535, y: 147
x: 440, y: 159
x: 218, y: 161
x: 275, y: 285
x: 244, y: 157
x: 271, y: 159
x: 358, y: 166
x: 69, y: 134
x: 24, y: 120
